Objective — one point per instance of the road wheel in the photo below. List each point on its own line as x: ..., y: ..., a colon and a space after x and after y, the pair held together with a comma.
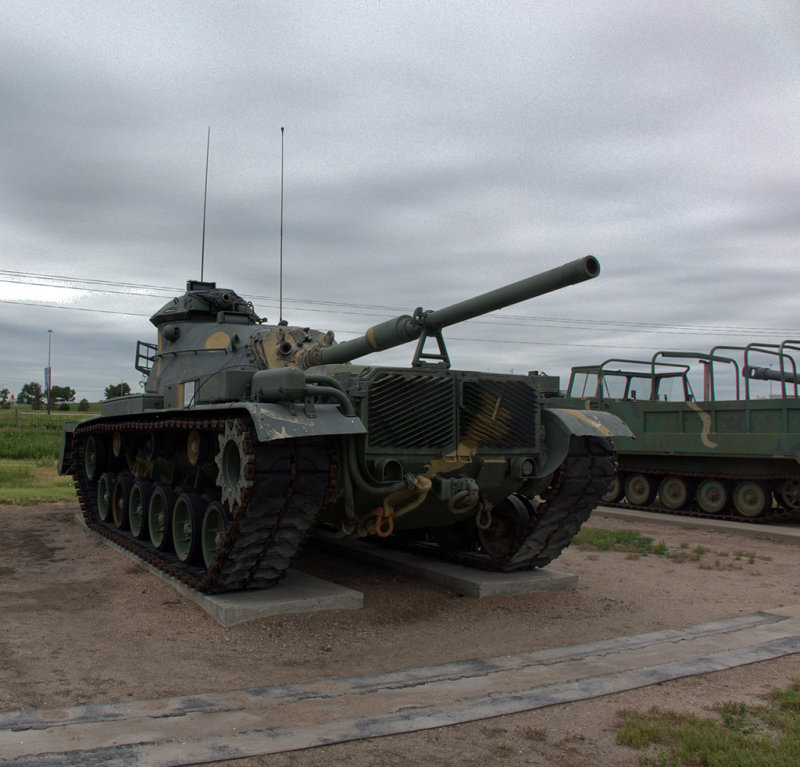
x: 138, y: 503
x: 105, y: 488
x: 119, y: 500
x: 712, y: 496
x: 94, y: 457
x: 187, y: 524
x: 640, y: 490
x: 215, y: 523
x: 751, y: 498
x: 615, y: 490
x: 159, y: 516
x: 674, y: 493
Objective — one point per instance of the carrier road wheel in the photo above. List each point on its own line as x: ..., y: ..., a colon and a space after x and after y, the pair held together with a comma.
x: 640, y: 490
x: 615, y: 490
x: 712, y: 495
x: 509, y: 518
x: 751, y: 498
x: 215, y: 522
x: 674, y: 493
x: 94, y: 457
x: 138, y: 503
x: 187, y: 523
x: 159, y: 516
x: 119, y: 500
x: 104, y: 489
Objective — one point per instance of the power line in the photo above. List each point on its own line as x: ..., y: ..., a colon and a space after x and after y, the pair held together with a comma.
x: 374, y: 310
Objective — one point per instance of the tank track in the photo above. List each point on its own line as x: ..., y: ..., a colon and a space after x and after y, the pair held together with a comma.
x: 291, y: 482
x: 780, y: 514
x: 577, y: 486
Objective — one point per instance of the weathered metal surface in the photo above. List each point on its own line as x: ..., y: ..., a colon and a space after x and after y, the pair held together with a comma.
x: 242, y: 442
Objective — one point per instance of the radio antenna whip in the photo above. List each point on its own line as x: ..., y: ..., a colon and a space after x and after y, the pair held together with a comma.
x: 205, y: 198
x: 280, y: 279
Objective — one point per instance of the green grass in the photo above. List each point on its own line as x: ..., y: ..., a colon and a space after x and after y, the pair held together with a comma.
x: 27, y: 482
x: 28, y: 453
x: 617, y: 540
x: 737, y: 736
x: 32, y: 443
x: 637, y: 545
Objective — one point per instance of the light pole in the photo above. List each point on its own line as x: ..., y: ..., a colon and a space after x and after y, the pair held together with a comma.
x: 49, y: 381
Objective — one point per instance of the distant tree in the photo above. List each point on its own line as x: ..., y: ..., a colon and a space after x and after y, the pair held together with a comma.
x: 4, y: 401
x: 32, y: 395
x: 62, y: 394
x: 83, y: 404
x: 63, y: 406
x: 117, y: 390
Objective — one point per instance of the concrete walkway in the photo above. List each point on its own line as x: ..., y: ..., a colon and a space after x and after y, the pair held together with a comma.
x: 205, y: 728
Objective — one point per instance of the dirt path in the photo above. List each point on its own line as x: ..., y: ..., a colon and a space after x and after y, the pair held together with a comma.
x: 80, y: 623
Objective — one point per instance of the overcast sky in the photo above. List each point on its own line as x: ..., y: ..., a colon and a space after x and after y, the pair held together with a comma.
x: 432, y: 151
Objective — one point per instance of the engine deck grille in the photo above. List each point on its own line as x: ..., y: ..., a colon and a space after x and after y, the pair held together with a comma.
x: 499, y: 414
x: 411, y: 411
x: 417, y: 411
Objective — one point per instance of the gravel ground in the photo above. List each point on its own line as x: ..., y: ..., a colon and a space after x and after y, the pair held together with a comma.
x: 81, y: 623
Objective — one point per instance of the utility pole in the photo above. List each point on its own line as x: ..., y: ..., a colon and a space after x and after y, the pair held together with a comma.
x: 48, y: 378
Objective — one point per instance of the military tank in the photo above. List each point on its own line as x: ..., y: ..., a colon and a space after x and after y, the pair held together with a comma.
x: 249, y: 436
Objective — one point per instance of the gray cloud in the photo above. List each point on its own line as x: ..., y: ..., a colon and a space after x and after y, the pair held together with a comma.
x: 433, y: 151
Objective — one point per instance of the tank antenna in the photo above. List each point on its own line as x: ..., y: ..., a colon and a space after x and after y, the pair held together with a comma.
x: 205, y: 198
x: 280, y: 279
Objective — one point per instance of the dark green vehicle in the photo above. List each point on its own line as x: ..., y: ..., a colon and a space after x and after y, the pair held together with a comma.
x: 732, y: 452
x: 249, y: 436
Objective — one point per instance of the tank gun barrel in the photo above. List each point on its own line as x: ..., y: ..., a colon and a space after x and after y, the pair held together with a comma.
x: 405, y: 328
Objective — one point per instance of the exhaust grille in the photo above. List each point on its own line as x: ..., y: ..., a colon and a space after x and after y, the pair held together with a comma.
x: 499, y: 414
x: 411, y: 411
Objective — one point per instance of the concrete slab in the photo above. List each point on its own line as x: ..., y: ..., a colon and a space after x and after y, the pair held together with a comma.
x: 464, y: 580
x: 237, y: 724
x: 297, y: 593
x: 786, y: 532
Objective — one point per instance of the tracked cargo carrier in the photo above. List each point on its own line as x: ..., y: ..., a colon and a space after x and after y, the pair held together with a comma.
x: 734, y: 452
x: 248, y: 436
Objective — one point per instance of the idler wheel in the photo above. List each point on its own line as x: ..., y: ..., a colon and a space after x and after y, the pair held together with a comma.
x: 159, y: 516
x: 119, y: 500
x: 105, y: 489
x: 215, y: 523
x: 789, y: 494
x: 138, y: 503
x: 235, y: 463
x: 94, y: 457
x: 187, y: 523
x: 509, y: 519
